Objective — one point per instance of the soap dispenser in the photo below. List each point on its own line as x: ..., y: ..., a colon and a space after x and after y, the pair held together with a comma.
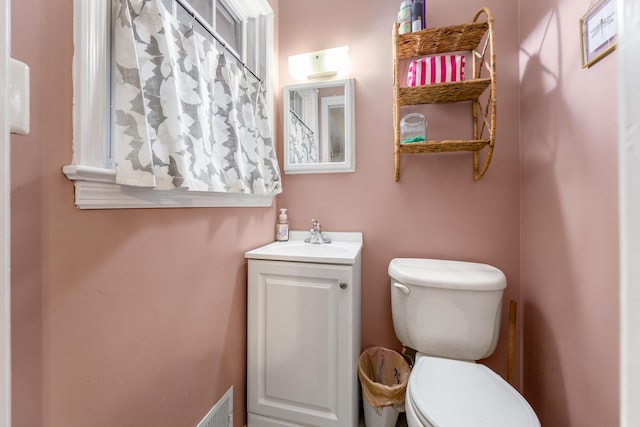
x: 282, y: 227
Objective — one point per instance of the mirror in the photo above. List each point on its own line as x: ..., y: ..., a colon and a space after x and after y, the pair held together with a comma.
x: 319, y: 131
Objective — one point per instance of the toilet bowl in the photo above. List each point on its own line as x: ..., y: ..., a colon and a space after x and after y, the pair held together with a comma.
x: 449, y: 312
x: 446, y: 392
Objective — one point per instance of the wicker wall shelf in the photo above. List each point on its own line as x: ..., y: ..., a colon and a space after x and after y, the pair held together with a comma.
x: 439, y: 93
x: 449, y: 146
x: 476, y: 37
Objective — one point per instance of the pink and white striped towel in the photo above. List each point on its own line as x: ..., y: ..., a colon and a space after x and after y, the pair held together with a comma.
x: 436, y: 69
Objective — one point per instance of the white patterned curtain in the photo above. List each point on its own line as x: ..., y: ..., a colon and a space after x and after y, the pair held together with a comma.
x: 303, y: 146
x: 186, y: 116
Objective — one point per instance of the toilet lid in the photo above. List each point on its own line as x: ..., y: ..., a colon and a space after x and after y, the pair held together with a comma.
x: 448, y: 392
x: 440, y: 273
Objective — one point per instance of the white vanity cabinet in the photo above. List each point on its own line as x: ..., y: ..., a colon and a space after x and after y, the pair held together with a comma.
x: 304, y: 335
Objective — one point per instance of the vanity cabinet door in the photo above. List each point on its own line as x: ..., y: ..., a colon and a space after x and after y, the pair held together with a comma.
x: 302, y: 353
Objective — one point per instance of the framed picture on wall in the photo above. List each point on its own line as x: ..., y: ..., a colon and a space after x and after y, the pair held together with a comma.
x: 598, y: 31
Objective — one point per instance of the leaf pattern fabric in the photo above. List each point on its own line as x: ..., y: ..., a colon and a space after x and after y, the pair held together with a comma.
x: 185, y: 115
x: 303, y: 145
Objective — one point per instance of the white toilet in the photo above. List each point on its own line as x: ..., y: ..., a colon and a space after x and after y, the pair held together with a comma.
x: 449, y: 312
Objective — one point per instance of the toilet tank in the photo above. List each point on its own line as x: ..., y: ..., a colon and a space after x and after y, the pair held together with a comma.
x: 446, y: 308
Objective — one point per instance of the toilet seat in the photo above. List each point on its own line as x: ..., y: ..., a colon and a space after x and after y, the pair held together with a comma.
x: 450, y: 393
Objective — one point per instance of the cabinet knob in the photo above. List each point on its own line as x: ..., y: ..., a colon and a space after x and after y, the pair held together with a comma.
x: 343, y: 285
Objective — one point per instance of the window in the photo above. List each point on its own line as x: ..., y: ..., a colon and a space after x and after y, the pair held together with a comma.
x: 229, y: 27
x: 251, y: 21
x: 219, y: 17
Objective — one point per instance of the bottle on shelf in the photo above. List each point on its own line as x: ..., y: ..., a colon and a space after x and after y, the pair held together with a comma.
x: 417, y: 16
x: 404, y: 17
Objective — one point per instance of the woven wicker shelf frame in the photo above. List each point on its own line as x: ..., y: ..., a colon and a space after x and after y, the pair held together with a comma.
x: 449, y: 146
x: 431, y: 41
x: 439, y: 93
x: 477, y: 37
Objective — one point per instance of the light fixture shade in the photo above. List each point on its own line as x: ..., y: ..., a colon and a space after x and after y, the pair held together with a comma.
x: 319, y: 64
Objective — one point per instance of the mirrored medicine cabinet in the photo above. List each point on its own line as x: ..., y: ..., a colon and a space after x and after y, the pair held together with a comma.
x: 319, y: 127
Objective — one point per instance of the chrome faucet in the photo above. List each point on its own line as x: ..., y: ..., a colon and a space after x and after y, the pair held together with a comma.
x: 315, y: 234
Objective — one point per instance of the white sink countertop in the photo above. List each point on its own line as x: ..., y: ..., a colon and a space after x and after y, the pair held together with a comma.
x: 343, y: 249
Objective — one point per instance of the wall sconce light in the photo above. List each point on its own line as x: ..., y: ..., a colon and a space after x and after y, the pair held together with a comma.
x: 319, y: 64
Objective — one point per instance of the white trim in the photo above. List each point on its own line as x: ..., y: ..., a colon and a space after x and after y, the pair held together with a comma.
x: 328, y: 102
x: 95, y: 186
x: 629, y: 181
x: 91, y: 82
x: 349, y: 165
x: 253, y: 8
x: 5, y: 220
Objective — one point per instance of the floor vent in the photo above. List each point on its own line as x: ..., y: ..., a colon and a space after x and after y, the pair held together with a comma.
x: 221, y: 415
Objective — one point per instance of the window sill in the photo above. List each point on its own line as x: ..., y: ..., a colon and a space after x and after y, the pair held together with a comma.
x: 96, y: 188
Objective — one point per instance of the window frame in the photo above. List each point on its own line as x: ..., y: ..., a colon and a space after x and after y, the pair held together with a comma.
x: 222, y: 6
x: 93, y: 178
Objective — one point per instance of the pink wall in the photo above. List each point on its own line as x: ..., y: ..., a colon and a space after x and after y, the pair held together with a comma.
x: 137, y: 317
x: 562, y: 218
x: 436, y: 210
x: 120, y: 318
x: 569, y: 221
